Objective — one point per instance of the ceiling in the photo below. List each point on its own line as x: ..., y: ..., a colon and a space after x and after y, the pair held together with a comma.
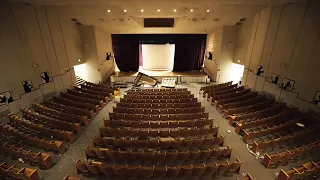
x: 95, y: 12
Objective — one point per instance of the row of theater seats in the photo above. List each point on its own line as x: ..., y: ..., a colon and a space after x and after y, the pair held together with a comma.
x: 156, y: 156
x: 158, y: 111
x: 171, y: 90
x: 55, y: 122
x: 172, y: 139
x: 159, y: 143
x: 164, y: 97
x: 309, y: 170
x: 205, y: 89
x: 157, y: 117
x: 159, y: 93
x: 157, y: 132
x: 154, y: 171
x: 158, y: 124
x: 13, y: 172
x: 156, y: 101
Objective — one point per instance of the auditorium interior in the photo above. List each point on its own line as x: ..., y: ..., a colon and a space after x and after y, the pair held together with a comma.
x: 170, y: 89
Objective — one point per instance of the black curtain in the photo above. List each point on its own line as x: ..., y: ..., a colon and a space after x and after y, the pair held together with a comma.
x: 126, y: 52
x: 189, y: 49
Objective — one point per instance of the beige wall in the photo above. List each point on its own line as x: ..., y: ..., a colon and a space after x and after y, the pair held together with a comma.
x: 214, y: 39
x: 36, y: 35
x: 285, y: 40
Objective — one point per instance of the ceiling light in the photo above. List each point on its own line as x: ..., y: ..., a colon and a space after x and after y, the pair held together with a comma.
x: 191, y: 10
x: 124, y: 10
x: 208, y: 10
x: 141, y: 10
x: 175, y: 10
x: 238, y: 60
x: 109, y: 10
x: 158, y: 10
x: 78, y: 60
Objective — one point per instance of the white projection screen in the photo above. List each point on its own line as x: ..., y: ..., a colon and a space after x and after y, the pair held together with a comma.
x: 158, y: 56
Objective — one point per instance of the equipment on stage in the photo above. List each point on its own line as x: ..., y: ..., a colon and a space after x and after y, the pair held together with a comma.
x: 168, y: 82
x: 144, y: 79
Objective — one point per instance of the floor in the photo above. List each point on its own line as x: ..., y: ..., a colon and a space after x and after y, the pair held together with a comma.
x: 65, y: 164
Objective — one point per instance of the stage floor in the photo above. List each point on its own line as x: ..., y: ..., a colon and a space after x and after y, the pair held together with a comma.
x: 160, y: 73
x: 191, y: 76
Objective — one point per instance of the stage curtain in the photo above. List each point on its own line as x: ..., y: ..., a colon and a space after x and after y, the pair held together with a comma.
x: 189, y: 52
x: 126, y: 52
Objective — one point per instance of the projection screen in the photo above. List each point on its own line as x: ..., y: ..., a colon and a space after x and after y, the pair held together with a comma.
x: 158, y: 56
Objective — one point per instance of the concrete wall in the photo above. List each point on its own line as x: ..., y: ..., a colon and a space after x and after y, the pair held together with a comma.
x: 35, y: 39
x: 285, y: 41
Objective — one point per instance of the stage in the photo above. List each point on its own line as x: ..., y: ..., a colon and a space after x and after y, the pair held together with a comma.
x: 192, y: 76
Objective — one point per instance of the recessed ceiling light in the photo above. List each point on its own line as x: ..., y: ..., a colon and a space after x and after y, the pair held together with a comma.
x: 109, y: 10
x: 238, y: 60
x: 175, y: 10
x: 208, y: 10
x: 124, y: 10
x: 158, y: 10
x: 191, y: 10
x: 141, y: 10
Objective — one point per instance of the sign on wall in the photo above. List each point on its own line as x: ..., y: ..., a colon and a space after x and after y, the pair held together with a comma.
x: 5, y: 98
x: 109, y: 56
x: 273, y: 78
x: 260, y: 70
x: 287, y: 84
x: 27, y: 86
x: 45, y: 77
x: 316, y: 98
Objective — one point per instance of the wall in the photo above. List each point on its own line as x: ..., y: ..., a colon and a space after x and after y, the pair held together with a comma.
x: 285, y: 41
x: 214, y: 39
x: 104, y: 44
x: 36, y: 39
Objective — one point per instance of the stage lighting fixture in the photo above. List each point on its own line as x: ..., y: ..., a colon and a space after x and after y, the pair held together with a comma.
x: 141, y: 10
x: 158, y: 10
x: 191, y: 10
x: 109, y: 10
x: 124, y: 10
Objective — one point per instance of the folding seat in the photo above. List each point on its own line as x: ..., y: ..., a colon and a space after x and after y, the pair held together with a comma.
x: 216, y: 153
x: 175, y: 144
x: 143, y: 133
x: 137, y: 117
x: 174, y: 133
x: 205, y: 115
x: 132, y: 133
x: 163, y: 106
x: 153, y: 132
x: 186, y: 143
x: 185, y: 171
x: 144, y: 124
x: 170, y: 105
x: 119, y: 170
x: 163, y: 124
x: 223, y: 168
x: 153, y: 144
x: 164, y: 117
x: 164, y: 144
x: 124, y: 155
x: 194, y: 132
x: 194, y: 154
x: 162, y: 100
x: 182, y: 156
x: 104, y: 131
x: 148, y: 106
x: 214, y: 130
x: 147, y: 111
x: 283, y: 158
x: 159, y: 172
x: 299, y: 152
x: 192, y: 124
x: 187, y: 110
x: 132, y: 171
x: 164, y: 133
x: 197, y: 115
x: 93, y: 167
x: 135, y: 124
x: 171, y: 156
x: 35, y: 158
x: 128, y: 117
x: 163, y: 111
x: 159, y: 156
x: 156, y: 111
x: 198, y: 169
x: 118, y: 142
x: 148, y: 101
x: 171, y: 111
x: 204, y: 131
x: 184, y: 124
x: 120, y: 116
x: 227, y: 152
x: 141, y: 143
x: 201, y: 123
x: 135, y: 155
x: 235, y: 166
x: 205, y: 154
x: 113, y: 155
x: 209, y: 122
x: 147, y: 156
x: 146, y: 171
x: 184, y: 133
x: 211, y: 169
x: 106, y: 169
x: 155, y: 117
x: 139, y: 111
x: 172, y: 171
x: 311, y: 168
x: 197, y: 142
x: 101, y: 153
x: 81, y: 167
x: 120, y: 132
x: 90, y: 153
x: 146, y: 117
x: 189, y: 116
